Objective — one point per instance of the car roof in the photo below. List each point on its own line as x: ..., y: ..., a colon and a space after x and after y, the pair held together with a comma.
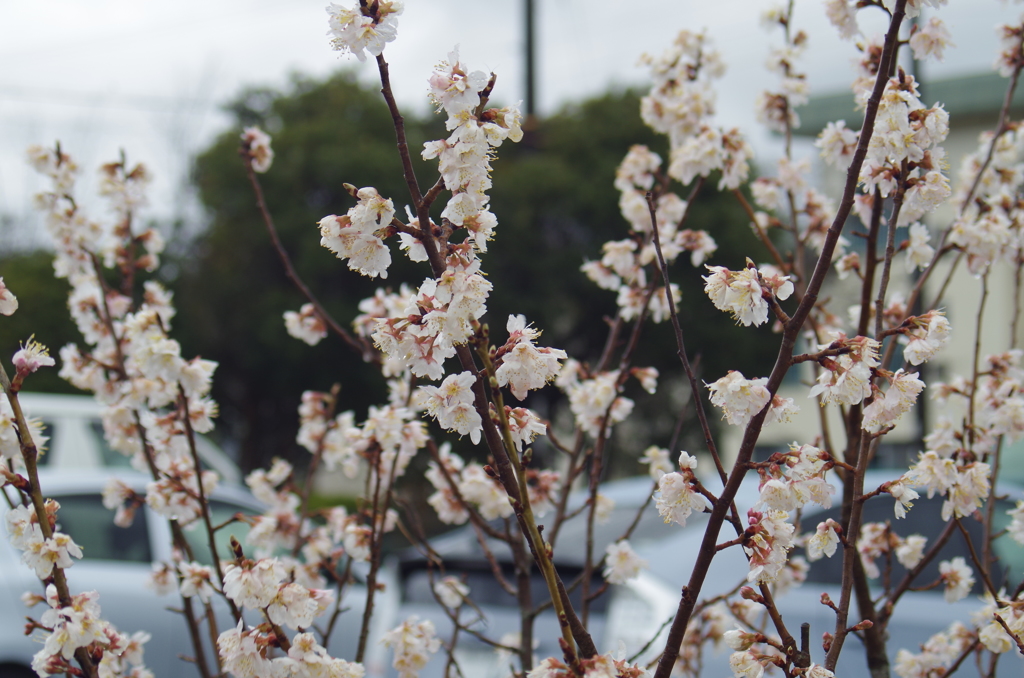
x: 50, y: 404
x: 57, y: 481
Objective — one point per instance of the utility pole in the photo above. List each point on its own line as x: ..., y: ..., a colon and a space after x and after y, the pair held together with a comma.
x: 531, y: 92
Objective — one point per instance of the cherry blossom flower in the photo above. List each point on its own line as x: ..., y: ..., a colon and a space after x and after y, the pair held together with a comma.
x: 524, y: 425
x: 886, y: 410
x: 196, y: 580
x: 677, y: 497
x: 253, y: 584
x: 451, y: 592
x: 453, y: 89
x: 257, y: 143
x: 550, y: 668
x: 306, y: 325
x: 958, y: 578
x: 592, y: 399
x: 968, y: 491
x: 603, y: 507
x: 8, y: 302
x: 452, y: 404
x: 31, y: 357
x: 162, y: 580
x: 240, y: 653
x: 904, y: 497
x: 910, y: 551
x: 413, y: 642
x: 741, y: 398
x: 542, y: 487
x: 486, y: 492
x: 919, y: 252
x: 1016, y: 527
x: 937, y: 654
x: 622, y: 563
x: 657, y: 460
x: 295, y: 606
x: 930, y: 40
x: 741, y: 294
x: 769, y: 546
x: 309, y: 658
x: 357, y: 29
x: 928, y: 333
x: 746, y: 664
x: 824, y: 541
x: 524, y: 366
x: 837, y: 143
x: 43, y: 554
x: 357, y: 235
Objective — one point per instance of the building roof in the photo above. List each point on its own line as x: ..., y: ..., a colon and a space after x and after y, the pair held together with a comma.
x: 967, y: 98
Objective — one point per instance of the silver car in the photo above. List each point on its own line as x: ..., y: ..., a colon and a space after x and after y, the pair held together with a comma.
x: 75, y: 429
x: 117, y: 562
x: 917, y: 616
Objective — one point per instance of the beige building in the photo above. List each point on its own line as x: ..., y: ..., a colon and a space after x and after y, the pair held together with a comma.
x: 973, y: 103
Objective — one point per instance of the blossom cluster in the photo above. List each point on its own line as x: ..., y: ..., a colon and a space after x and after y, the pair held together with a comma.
x: 464, y: 157
x: 79, y: 625
x: 623, y: 268
x: 681, y: 104
x: 743, y: 293
x: 363, y: 27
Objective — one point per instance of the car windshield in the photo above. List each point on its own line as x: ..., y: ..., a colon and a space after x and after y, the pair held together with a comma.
x: 91, y: 525
x: 417, y: 586
x: 220, y: 512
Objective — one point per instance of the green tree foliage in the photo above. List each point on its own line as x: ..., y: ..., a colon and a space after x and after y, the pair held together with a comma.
x: 556, y: 206
x: 43, y: 312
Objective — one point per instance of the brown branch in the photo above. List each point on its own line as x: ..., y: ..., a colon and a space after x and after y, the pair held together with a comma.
x: 677, y: 328
x: 356, y: 345
x: 790, y: 334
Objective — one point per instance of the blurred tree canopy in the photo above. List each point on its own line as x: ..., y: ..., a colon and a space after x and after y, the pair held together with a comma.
x: 43, y: 301
x: 556, y: 206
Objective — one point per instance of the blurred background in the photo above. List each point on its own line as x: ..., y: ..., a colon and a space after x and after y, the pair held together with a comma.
x: 171, y: 84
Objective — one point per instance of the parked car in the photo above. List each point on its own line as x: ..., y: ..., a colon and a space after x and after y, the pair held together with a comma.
x: 627, y: 616
x: 73, y: 424
x: 634, y: 613
x: 917, y: 617
x: 118, y: 562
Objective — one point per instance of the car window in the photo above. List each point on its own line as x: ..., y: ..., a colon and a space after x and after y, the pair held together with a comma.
x: 220, y: 512
x: 108, y: 455
x: 485, y: 591
x: 91, y: 525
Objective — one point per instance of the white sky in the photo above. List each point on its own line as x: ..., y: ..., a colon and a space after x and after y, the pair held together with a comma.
x: 149, y: 77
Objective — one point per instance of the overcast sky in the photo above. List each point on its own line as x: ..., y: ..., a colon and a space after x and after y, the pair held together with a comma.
x: 149, y: 77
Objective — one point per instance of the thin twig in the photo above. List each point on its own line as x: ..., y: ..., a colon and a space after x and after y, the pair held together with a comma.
x: 356, y: 345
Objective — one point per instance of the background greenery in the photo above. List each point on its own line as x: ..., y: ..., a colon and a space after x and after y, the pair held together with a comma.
x: 556, y: 206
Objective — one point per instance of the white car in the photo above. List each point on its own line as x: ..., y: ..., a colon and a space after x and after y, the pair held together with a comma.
x: 117, y: 562
x: 625, y: 618
x: 73, y: 424
x: 917, y: 616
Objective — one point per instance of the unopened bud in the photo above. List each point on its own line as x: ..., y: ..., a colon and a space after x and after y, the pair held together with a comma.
x: 236, y: 548
x: 862, y: 626
x: 826, y: 600
x: 489, y: 470
x: 826, y: 641
x: 748, y: 593
x: 351, y: 190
